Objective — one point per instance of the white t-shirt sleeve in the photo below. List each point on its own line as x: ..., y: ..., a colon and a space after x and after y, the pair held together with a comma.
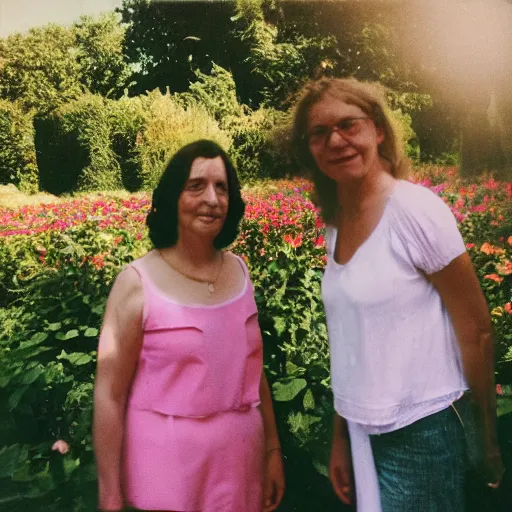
x: 429, y: 229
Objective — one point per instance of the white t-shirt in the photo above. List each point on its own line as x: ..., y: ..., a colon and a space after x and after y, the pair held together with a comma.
x: 394, y: 354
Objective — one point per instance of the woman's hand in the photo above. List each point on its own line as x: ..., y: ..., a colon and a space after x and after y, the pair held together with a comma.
x: 340, y: 468
x: 493, y: 466
x: 274, y: 485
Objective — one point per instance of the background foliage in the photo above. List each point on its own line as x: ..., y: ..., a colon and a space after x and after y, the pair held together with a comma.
x: 57, y: 264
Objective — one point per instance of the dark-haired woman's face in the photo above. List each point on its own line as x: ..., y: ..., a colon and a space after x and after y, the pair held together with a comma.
x: 342, y: 139
x: 203, y: 203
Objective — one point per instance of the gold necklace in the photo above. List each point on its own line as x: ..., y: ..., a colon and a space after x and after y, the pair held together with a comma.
x: 211, y: 284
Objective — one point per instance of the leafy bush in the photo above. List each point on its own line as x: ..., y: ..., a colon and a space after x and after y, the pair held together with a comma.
x: 53, y: 309
x: 39, y: 69
x: 17, y: 152
x: 74, y: 148
x: 147, y: 130
x: 283, y: 61
x: 99, y: 53
x: 257, y: 150
x: 216, y: 92
x: 52, y: 65
x: 57, y: 264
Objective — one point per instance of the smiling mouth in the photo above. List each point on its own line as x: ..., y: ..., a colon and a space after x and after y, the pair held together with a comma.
x: 209, y: 218
x: 343, y: 159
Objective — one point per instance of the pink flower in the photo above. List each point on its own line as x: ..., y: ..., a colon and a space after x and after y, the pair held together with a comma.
x: 499, y: 389
x: 470, y: 246
x: 61, y: 446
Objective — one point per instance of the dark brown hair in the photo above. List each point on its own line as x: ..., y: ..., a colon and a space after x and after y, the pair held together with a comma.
x: 162, y: 220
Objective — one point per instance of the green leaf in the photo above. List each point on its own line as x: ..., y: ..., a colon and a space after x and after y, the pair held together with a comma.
x: 31, y: 375
x: 321, y: 468
x: 292, y: 370
x: 279, y: 325
x: 288, y: 391
x: 73, y: 333
x: 301, y: 423
x: 273, y: 267
x: 54, y: 327
x: 76, y: 358
x: 15, y: 397
x: 309, y: 400
x: 91, y: 332
x: 504, y: 405
x: 98, y: 310
x: 38, y: 337
x: 11, y: 458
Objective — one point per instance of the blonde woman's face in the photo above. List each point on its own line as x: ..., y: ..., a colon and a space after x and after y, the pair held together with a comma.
x: 342, y: 139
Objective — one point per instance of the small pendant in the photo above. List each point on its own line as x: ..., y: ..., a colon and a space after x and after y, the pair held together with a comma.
x: 211, y: 288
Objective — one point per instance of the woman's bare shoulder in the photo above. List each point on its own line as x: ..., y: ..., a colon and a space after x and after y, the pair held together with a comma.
x: 126, y: 295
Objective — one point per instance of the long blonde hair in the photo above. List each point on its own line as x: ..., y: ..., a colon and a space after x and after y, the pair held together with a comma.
x: 370, y: 99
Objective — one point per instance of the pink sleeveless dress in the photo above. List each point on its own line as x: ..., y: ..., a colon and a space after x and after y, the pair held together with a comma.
x: 194, y: 437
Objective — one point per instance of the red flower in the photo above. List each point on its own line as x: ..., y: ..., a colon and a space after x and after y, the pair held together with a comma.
x: 320, y: 241
x: 98, y: 261
x: 294, y: 242
x: 494, y: 277
x: 499, y: 389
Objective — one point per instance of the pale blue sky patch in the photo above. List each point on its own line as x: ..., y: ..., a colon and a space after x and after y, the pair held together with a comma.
x: 21, y: 15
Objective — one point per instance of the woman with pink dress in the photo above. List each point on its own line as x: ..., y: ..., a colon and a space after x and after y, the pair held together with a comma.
x: 183, y: 416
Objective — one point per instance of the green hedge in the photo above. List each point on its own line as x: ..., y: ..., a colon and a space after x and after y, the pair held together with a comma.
x: 74, y: 148
x: 147, y: 130
x: 17, y: 152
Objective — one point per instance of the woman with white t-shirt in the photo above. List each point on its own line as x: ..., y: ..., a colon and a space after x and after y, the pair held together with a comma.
x: 409, y: 328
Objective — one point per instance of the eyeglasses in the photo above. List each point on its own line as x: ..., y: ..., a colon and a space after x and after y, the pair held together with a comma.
x: 347, y: 127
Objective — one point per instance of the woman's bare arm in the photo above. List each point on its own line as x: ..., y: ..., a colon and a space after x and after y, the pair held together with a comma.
x: 460, y: 291
x: 118, y: 352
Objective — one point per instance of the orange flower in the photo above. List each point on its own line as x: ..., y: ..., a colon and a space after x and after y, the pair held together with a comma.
x: 508, y: 308
x: 294, y: 242
x: 98, y: 261
x: 509, y: 240
x: 494, y: 277
x: 487, y: 248
x: 505, y: 268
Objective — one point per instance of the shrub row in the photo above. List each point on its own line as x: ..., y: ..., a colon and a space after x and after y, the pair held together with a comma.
x: 97, y: 143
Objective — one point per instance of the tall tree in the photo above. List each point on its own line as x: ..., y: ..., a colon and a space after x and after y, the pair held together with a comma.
x: 51, y: 65
x: 40, y: 69
x: 99, y: 43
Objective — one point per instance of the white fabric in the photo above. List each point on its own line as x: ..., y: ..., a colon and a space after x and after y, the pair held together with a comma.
x: 394, y: 354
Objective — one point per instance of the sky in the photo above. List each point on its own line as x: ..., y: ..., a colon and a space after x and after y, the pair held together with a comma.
x: 20, y: 15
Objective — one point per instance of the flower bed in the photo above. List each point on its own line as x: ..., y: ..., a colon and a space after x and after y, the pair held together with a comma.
x: 57, y: 262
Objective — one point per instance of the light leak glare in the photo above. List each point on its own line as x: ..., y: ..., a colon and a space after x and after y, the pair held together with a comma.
x: 466, y: 43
